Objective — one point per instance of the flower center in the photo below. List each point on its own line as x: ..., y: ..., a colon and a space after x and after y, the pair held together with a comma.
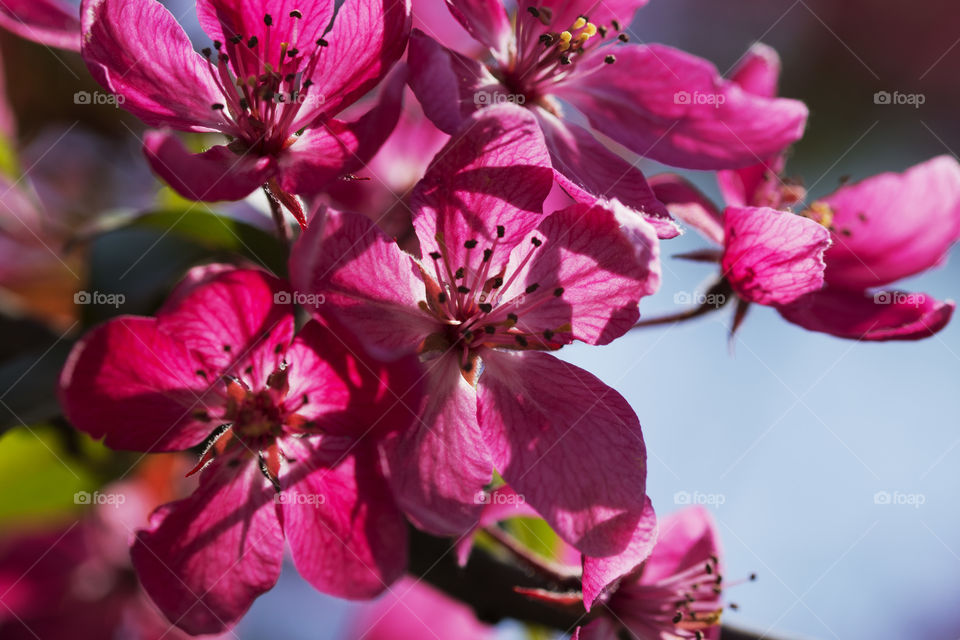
x: 263, y: 86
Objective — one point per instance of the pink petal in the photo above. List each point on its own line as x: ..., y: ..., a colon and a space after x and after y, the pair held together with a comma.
x: 587, y: 170
x: 501, y: 504
x: 496, y: 172
x: 675, y: 108
x: 758, y: 185
x: 486, y: 21
x: 885, y: 315
x: 206, y: 558
x: 439, y: 468
x: 334, y: 148
x: 603, y: 574
x: 568, y: 443
x: 136, y: 386
x: 365, y: 277
x: 347, y: 536
x: 686, y: 538
x: 600, y: 12
x: 758, y: 71
x: 48, y: 22
x: 224, y: 19
x: 237, y: 323
x: 136, y: 49
x: 689, y: 204
x: 347, y: 391
x: 772, y: 257
x: 599, y: 629
x: 216, y: 174
x: 371, y: 35
x: 877, y: 242
x: 413, y: 610
x: 588, y: 274
x: 448, y: 85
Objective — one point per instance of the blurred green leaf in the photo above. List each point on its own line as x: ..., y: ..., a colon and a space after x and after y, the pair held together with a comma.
x: 535, y: 534
x: 9, y: 163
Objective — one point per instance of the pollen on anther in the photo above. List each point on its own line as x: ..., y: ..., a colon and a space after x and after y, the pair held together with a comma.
x: 610, y: 59
x: 435, y: 255
x: 207, y: 52
x: 470, y: 244
x: 322, y: 43
x: 463, y: 289
x: 268, y: 19
x: 459, y: 274
x: 252, y: 42
x: 623, y: 37
x: 501, y: 231
x: 487, y: 253
x: 486, y: 307
x: 296, y: 14
x: 532, y: 288
x: 536, y: 242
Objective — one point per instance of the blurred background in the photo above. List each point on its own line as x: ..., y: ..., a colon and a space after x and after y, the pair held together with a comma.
x: 791, y: 438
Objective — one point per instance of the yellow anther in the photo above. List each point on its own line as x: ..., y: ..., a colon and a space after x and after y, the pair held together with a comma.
x: 590, y: 30
x: 563, y: 46
x: 820, y: 212
x: 579, y: 24
x: 566, y: 36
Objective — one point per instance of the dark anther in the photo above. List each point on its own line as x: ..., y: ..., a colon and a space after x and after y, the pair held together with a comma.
x: 709, y: 568
x: 237, y: 39
x: 497, y: 282
x: 296, y: 14
x: 459, y: 274
x: 521, y: 341
x: 222, y: 57
x: 486, y: 307
x: 216, y: 106
x: 463, y: 289
x: 548, y: 334
x: 512, y: 317
x: 467, y: 366
x: 532, y: 288
x: 536, y: 242
x: 249, y: 370
x: 289, y: 77
x: 307, y: 83
x: 293, y: 52
x: 322, y: 43
x: 623, y: 37
x: 602, y: 31
x: 201, y: 414
x: 227, y: 348
x: 678, y: 616
x: 217, y: 44
x: 564, y: 59
x: 252, y: 42
x: 533, y: 11
x: 207, y: 52
x: 305, y: 398
x: 487, y: 254
x: 558, y: 291
x: 610, y: 59
x: 201, y: 373
x: 441, y: 297
x: 435, y: 255
x: 616, y: 24
x: 547, y: 39
x: 490, y: 329
x: 469, y: 244
x: 268, y: 19
x: 278, y: 348
x: 753, y: 577
x: 501, y: 231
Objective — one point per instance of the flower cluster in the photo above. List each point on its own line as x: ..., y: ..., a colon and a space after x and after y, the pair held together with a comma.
x: 463, y: 217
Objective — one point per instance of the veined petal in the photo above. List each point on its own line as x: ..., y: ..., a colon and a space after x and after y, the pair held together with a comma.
x: 136, y: 49
x: 875, y: 317
x: 675, y: 108
x: 603, y: 574
x: 876, y: 242
x: 487, y: 21
x: 772, y: 257
x: 138, y: 387
x: 689, y: 204
x: 216, y: 174
x: 758, y: 71
x: 685, y: 538
x: 48, y: 22
x: 600, y: 12
x: 206, y: 558
x: 569, y: 444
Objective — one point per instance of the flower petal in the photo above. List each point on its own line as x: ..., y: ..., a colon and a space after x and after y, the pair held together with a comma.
x: 587, y: 276
x: 137, y: 387
x: 772, y: 257
x: 685, y: 539
x: 494, y: 173
x: 603, y: 574
x: 334, y: 148
x: 438, y: 468
x: 675, y: 108
x: 599, y: 629
x: 136, y: 49
x: 236, y: 323
x: 601, y: 13
x: 370, y: 35
x: 569, y: 444
x: 587, y: 170
x: 216, y: 174
x: 486, y: 21
x: 758, y: 71
x: 365, y: 279
x: 877, y: 242
x: 885, y: 315
x: 689, y: 204
x: 347, y: 536
x: 206, y: 558
x: 48, y: 22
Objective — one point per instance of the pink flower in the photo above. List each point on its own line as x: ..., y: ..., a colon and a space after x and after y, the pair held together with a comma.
x: 872, y: 243
x: 273, y: 71
x: 674, y: 593
x: 654, y: 100
x: 50, y: 22
x: 298, y: 460
x: 413, y: 610
x: 498, y: 285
